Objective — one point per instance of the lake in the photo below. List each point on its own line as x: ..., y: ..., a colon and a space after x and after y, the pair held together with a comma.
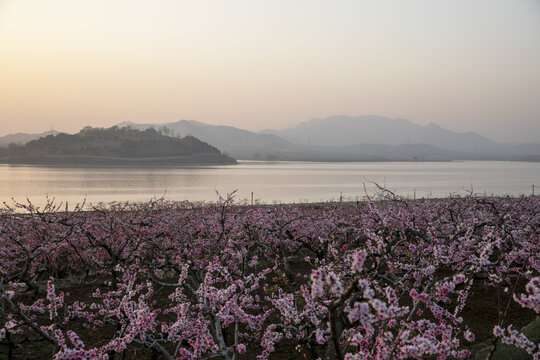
x: 270, y: 182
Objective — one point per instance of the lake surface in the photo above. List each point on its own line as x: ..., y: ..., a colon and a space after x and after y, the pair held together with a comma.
x: 270, y: 182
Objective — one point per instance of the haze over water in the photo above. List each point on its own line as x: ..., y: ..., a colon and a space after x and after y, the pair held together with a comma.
x: 270, y: 182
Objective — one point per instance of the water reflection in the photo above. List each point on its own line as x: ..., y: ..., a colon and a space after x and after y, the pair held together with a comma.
x: 270, y: 181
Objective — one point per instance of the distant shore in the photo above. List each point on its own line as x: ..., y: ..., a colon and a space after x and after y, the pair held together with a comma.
x: 190, y: 160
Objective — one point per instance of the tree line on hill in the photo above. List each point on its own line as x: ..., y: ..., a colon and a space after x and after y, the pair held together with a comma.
x: 118, y: 142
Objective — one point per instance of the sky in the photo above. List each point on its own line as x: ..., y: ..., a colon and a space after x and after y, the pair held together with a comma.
x: 466, y: 65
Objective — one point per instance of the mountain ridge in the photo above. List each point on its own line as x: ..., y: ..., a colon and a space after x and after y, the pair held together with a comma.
x: 341, y: 130
x: 21, y: 138
x: 349, y: 138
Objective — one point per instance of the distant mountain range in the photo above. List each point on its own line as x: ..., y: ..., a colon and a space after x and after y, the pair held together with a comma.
x: 248, y: 145
x: 346, y: 130
x: 23, y: 138
x: 346, y: 138
x: 114, y: 146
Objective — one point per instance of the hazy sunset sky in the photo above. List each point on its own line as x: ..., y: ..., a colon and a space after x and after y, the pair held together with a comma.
x: 463, y: 64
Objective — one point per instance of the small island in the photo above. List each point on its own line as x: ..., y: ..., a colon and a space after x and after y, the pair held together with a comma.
x: 114, y: 147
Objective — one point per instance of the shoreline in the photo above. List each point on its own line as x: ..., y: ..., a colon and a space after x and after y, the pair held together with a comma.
x: 110, y: 161
x: 58, y: 207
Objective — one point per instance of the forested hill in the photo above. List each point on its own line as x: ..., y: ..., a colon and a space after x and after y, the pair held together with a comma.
x: 115, y: 145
